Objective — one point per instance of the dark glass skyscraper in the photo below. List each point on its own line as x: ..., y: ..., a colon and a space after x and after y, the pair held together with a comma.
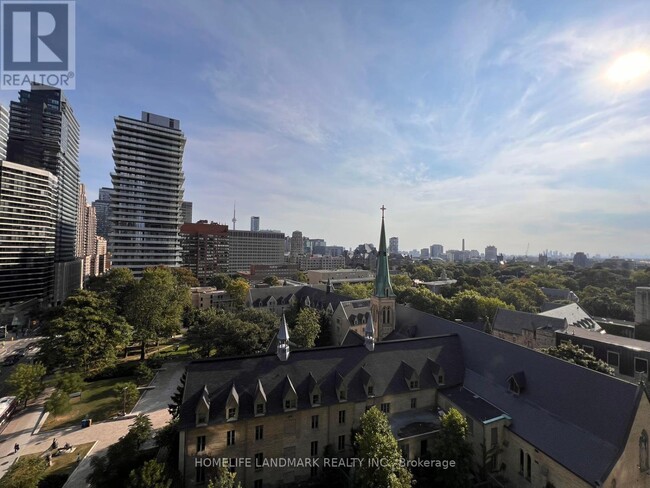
x: 44, y: 134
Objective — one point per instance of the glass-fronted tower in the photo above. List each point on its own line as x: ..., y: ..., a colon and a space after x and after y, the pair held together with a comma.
x: 145, y: 207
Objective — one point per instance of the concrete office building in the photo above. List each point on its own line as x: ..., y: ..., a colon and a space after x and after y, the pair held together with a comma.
x: 44, y: 133
x: 186, y: 210
x: 102, y: 207
x: 205, y: 249
x: 491, y: 253
x: 28, y: 214
x: 437, y: 250
x: 393, y: 245
x: 145, y: 207
x: 255, y: 224
x: 246, y: 248
x: 297, y: 246
x: 642, y: 305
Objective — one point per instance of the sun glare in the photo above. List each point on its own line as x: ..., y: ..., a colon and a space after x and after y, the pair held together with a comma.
x: 629, y: 67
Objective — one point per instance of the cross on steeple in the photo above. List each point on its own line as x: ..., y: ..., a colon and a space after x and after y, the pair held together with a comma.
x: 382, y: 211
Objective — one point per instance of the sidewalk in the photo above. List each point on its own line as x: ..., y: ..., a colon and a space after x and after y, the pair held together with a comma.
x: 153, y: 403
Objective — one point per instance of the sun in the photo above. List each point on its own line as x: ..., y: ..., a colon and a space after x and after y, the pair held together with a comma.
x: 629, y: 67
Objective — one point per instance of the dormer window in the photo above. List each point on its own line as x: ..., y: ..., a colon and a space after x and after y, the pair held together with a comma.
x: 232, y: 404
x: 437, y: 372
x: 260, y: 399
x: 314, y: 391
x: 411, y: 376
x: 517, y: 383
x: 289, y: 395
x: 202, y: 412
x: 341, y: 388
x: 368, y: 383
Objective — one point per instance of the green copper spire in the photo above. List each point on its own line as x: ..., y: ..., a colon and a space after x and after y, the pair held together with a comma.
x: 383, y: 288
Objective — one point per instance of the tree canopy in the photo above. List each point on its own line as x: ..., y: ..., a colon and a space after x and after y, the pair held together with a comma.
x: 26, y: 381
x: 576, y: 355
x: 375, y: 442
x: 88, y: 334
x: 155, y: 307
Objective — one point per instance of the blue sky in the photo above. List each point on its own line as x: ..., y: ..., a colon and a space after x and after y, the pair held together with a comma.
x: 492, y: 121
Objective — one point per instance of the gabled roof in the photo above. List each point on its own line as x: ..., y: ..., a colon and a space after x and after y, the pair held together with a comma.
x: 329, y: 366
x: 515, y: 322
x: 574, y: 315
x: 562, y: 412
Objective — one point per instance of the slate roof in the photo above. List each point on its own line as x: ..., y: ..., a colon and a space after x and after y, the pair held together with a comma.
x: 329, y: 365
x: 627, y: 342
x: 562, y: 411
x: 574, y: 315
x: 559, y: 293
x: 260, y: 296
x: 472, y: 404
x: 515, y: 322
x: 356, y: 311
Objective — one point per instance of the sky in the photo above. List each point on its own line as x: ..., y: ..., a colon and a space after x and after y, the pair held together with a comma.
x: 517, y: 124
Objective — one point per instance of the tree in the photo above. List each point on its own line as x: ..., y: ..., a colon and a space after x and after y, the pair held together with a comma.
x: 150, y: 475
x: 422, y: 273
x: 128, y: 395
x: 451, y: 443
x: 122, y: 457
x: 115, y: 285
x: 307, y: 328
x: 68, y: 382
x: 87, y: 336
x: 26, y: 381
x: 185, y: 277
x: 576, y: 355
x: 470, y: 306
x: 174, y: 408
x: 58, y: 403
x: 376, y: 443
x: 356, y: 291
x: 271, y: 280
x: 143, y: 374
x: 238, y: 291
x: 26, y: 472
x: 155, y: 307
x: 140, y: 431
x: 219, y: 281
x: 244, y: 332
x: 223, y: 479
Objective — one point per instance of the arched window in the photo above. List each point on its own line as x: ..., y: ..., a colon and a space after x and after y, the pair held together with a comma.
x: 643, y: 451
x: 383, y: 315
x: 388, y: 315
x: 528, y: 466
x: 521, y: 461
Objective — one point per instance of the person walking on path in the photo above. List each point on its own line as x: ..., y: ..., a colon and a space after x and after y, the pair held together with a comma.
x: 16, y: 447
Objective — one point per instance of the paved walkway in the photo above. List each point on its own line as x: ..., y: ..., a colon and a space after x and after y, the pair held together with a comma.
x: 153, y: 403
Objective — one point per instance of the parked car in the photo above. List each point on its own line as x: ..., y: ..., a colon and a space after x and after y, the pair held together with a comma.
x: 11, y: 360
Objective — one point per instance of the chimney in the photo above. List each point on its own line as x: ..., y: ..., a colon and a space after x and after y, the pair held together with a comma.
x: 369, y: 335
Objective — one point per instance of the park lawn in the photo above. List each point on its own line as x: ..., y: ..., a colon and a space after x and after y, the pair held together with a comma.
x: 98, y: 402
x: 62, y: 466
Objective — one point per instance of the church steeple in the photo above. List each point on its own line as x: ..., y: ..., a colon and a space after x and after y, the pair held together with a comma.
x: 382, y: 302
x: 383, y: 288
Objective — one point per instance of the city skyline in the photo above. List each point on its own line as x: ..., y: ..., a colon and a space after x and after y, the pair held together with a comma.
x: 526, y: 128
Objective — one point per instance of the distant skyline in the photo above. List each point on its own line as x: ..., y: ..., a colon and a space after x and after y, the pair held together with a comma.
x: 505, y: 123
